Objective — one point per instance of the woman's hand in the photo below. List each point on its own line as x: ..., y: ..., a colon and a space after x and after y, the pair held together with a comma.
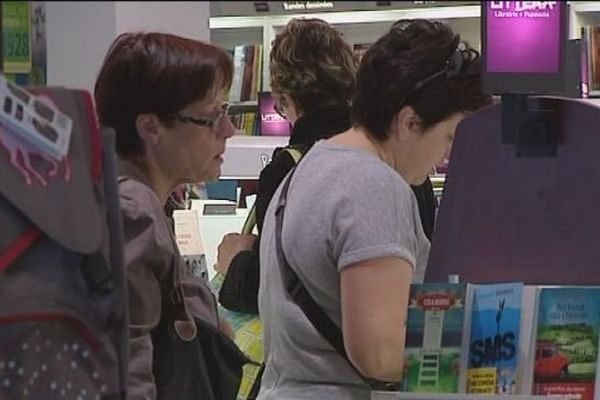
x: 226, y: 328
x: 230, y: 246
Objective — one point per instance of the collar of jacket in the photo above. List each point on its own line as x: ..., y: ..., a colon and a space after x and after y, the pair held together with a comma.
x: 321, y: 123
x: 130, y: 169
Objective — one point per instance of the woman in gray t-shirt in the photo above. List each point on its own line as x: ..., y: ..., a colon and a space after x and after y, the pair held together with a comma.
x: 351, y: 230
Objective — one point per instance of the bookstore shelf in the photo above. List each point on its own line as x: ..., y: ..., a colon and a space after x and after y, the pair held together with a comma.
x: 248, y: 103
x: 363, y: 27
x: 369, y: 24
x: 359, y: 28
x: 586, y: 6
x: 245, y: 156
x: 348, y: 17
x: 583, y: 13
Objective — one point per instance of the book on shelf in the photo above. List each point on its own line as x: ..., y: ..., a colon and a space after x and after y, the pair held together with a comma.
x: 245, y: 85
x: 493, y: 345
x: 590, y: 43
x: 245, y: 122
x: 247, y: 73
x: 434, y: 337
x: 566, y: 342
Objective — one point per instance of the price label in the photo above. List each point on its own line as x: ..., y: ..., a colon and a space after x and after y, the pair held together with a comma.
x: 16, y: 37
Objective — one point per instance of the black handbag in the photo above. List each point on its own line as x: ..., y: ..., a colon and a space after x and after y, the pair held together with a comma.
x: 207, y: 367
x: 313, y: 311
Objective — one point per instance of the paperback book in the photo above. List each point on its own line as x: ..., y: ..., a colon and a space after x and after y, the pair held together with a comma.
x: 566, y: 342
x: 494, y: 339
x: 434, y: 337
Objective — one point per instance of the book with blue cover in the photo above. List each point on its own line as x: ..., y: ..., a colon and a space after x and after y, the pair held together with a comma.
x: 434, y: 337
x: 494, y: 339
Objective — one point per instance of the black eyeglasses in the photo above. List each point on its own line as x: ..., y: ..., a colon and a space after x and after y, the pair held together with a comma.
x: 213, y: 124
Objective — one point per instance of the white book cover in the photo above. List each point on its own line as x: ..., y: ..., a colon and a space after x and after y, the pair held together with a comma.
x: 187, y: 232
x: 235, y: 91
x: 527, y: 342
x: 189, y: 241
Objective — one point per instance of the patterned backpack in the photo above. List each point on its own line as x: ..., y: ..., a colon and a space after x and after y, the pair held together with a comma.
x: 63, y: 320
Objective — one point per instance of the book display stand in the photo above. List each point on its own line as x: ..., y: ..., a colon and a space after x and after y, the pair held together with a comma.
x: 532, y: 219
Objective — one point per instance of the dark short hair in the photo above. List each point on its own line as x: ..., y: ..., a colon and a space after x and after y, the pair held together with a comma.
x: 409, y: 53
x: 155, y: 73
x: 311, y: 62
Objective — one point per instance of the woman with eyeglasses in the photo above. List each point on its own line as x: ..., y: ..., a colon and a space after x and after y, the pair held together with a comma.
x: 163, y: 95
x: 343, y: 229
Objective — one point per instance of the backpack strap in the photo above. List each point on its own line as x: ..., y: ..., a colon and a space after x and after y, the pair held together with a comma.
x: 22, y: 243
x: 250, y: 221
x: 311, y: 309
x: 296, y: 153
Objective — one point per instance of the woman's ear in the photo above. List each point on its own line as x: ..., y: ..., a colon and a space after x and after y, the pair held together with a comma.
x: 405, y: 122
x: 148, y: 128
x: 291, y: 108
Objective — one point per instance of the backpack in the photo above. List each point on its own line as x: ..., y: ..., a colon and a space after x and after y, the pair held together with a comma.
x: 63, y: 316
x: 248, y: 327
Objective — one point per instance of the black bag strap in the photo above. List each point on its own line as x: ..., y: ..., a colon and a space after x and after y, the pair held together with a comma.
x: 300, y: 295
x: 296, y: 153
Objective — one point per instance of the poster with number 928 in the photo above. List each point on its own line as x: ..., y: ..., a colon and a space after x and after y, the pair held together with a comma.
x: 16, y: 37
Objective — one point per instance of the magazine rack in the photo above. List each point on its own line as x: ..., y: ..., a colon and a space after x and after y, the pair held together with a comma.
x: 507, y: 218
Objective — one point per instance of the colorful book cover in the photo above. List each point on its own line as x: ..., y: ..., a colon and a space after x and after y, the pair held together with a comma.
x: 434, y: 337
x: 494, y: 339
x: 566, y: 349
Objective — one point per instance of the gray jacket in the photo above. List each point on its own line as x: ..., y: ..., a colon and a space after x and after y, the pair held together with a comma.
x: 155, y: 269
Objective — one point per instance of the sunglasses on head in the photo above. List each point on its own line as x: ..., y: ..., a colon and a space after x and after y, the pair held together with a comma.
x: 454, y: 65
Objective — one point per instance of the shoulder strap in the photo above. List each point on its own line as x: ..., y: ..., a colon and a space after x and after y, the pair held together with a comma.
x: 297, y: 290
x: 294, y: 152
x: 250, y: 222
x: 300, y: 295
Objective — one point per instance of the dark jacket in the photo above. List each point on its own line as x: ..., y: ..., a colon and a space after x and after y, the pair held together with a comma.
x: 240, y: 287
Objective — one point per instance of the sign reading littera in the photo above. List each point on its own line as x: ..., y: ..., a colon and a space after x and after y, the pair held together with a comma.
x: 271, y: 123
x: 523, y: 36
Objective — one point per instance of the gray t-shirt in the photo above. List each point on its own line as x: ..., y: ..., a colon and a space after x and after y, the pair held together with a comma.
x: 344, y: 206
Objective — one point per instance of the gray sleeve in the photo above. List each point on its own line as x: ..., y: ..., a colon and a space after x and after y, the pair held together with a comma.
x: 375, y: 220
